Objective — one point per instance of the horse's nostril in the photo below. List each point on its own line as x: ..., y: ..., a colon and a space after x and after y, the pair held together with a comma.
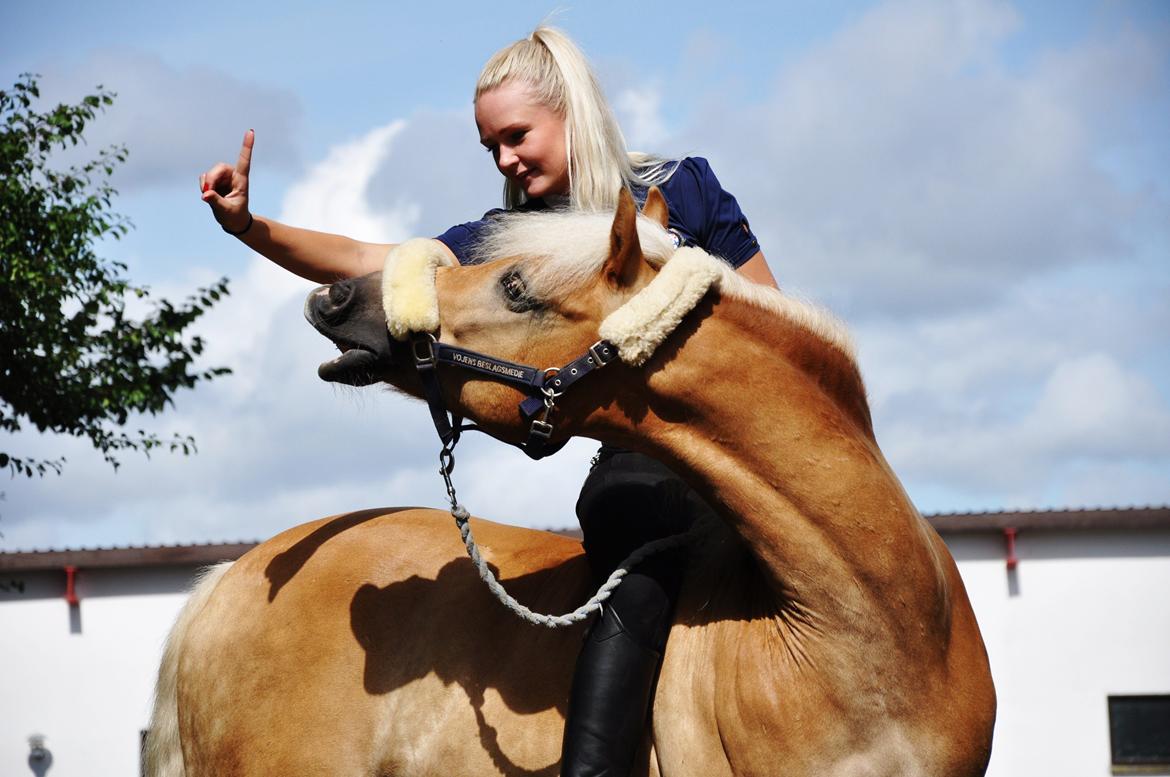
x: 341, y: 293
x: 332, y: 302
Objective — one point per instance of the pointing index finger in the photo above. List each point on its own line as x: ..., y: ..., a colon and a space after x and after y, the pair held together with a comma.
x: 245, y: 161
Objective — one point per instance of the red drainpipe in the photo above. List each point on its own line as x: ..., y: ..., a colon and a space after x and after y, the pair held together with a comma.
x: 1009, y: 538
x: 70, y: 585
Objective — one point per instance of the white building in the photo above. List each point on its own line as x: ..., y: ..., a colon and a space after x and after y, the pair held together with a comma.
x: 1074, y: 607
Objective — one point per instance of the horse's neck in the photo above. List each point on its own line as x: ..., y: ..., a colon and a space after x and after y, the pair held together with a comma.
x: 777, y: 437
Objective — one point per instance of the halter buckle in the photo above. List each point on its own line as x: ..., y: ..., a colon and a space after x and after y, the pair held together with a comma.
x: 602, y: 353
x: 420, y: 348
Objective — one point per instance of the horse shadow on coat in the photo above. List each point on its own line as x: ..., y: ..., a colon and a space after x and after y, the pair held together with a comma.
x: 472, y: 640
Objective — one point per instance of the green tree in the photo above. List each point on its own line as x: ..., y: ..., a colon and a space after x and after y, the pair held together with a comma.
x: 72, y: 361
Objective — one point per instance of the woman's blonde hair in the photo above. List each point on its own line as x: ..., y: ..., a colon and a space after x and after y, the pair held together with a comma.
x: 559, y: 77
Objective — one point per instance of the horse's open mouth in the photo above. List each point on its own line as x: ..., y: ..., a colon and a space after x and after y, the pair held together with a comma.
x: 358, y: 330
x: 356, y: 366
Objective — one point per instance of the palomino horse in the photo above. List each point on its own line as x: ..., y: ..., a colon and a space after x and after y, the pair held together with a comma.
x: 822, y: 628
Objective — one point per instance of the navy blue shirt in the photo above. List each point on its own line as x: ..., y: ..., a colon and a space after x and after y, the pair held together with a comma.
x: 702, y: 214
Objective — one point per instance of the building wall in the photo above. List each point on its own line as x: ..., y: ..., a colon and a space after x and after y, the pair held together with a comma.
x: 1084, y: 615
x: 83, y: 677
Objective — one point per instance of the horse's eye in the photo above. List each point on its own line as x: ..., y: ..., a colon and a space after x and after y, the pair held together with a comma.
x: 516, y: 292
x: 513, y: 286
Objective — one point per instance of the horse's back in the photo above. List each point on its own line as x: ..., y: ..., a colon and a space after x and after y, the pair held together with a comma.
x: 366, y: 643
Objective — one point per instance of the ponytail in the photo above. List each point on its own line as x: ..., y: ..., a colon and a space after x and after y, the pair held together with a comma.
x: 559, y: 77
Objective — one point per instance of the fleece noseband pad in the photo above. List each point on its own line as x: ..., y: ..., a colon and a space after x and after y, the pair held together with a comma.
x: 409, y: 298
x: 638, y: 327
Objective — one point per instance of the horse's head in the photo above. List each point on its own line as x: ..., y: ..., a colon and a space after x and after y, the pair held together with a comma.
x: 551, y: 285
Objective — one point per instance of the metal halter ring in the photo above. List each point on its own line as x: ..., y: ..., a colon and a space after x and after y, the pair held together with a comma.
x: 550, y: 391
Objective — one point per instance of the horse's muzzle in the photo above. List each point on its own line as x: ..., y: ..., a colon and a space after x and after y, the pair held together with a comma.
x: 349, y: 313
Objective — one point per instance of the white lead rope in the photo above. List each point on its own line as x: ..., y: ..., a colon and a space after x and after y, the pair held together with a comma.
x: 463, y: 521
x: 410, y: 302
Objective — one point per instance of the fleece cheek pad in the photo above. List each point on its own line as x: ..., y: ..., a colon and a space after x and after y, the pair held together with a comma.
x: 411, y: 302
x: 642, y: 324
x: 409, y: 298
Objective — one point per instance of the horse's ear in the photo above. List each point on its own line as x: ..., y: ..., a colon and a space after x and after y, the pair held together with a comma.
x: 625, y: 253
x: 655, y: 207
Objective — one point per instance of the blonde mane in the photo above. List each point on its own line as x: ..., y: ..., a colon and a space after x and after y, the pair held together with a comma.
x: 573, y: 246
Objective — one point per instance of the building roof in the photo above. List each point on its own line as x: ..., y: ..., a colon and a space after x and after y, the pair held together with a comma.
x: 140, y: 556
x: 1083, y: 519
x: 1090, y: 519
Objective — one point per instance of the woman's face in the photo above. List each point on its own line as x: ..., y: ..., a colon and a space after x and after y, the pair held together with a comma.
x: 526, y: 139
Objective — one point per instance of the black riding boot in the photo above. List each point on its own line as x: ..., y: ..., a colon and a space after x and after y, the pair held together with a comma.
x: 614, y: 680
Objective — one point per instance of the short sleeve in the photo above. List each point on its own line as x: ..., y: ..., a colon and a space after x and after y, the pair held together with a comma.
x: 706, y: 215
x: 461, y: 238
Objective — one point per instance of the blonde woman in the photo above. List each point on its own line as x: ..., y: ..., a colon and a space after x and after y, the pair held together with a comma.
x: 541, y: 114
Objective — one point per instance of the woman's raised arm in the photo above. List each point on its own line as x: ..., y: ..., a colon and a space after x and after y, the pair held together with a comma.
x: 318, y: 256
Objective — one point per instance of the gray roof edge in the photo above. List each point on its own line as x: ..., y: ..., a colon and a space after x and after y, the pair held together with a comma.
x: 1085, y: 519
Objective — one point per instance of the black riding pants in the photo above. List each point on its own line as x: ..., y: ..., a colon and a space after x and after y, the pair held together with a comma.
x: 627, y: 500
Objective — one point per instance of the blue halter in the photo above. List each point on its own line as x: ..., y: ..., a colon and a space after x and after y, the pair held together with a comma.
x: 543, y: 387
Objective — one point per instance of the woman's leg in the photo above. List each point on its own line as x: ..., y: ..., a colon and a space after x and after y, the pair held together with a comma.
x: 628, y: 499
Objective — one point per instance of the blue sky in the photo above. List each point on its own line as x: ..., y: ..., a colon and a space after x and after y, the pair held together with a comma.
x: 981, y: 189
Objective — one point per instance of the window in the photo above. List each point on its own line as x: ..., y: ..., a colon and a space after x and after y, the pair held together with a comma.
x: 1139, y: 734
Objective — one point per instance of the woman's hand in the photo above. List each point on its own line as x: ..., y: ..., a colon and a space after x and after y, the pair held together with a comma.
x: 225, y: 189
x: 318, y: 256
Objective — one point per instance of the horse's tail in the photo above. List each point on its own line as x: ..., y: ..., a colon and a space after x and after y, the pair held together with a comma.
x: 163, y: 752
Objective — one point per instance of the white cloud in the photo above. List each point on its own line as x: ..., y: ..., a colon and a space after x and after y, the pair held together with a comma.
x: 1093, y: 407
x: 907, y: 167
x: 503, y: 484
x: 265, y: 301
x: 1022, y: 403
x: 1006, y: 285
x: 277, y: 446
x: 1090, y: 414
x: 332, y: 195
x: 954, y: 201
x: 639, y: 110
x: 174, y: 120
x: 436, y: 160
